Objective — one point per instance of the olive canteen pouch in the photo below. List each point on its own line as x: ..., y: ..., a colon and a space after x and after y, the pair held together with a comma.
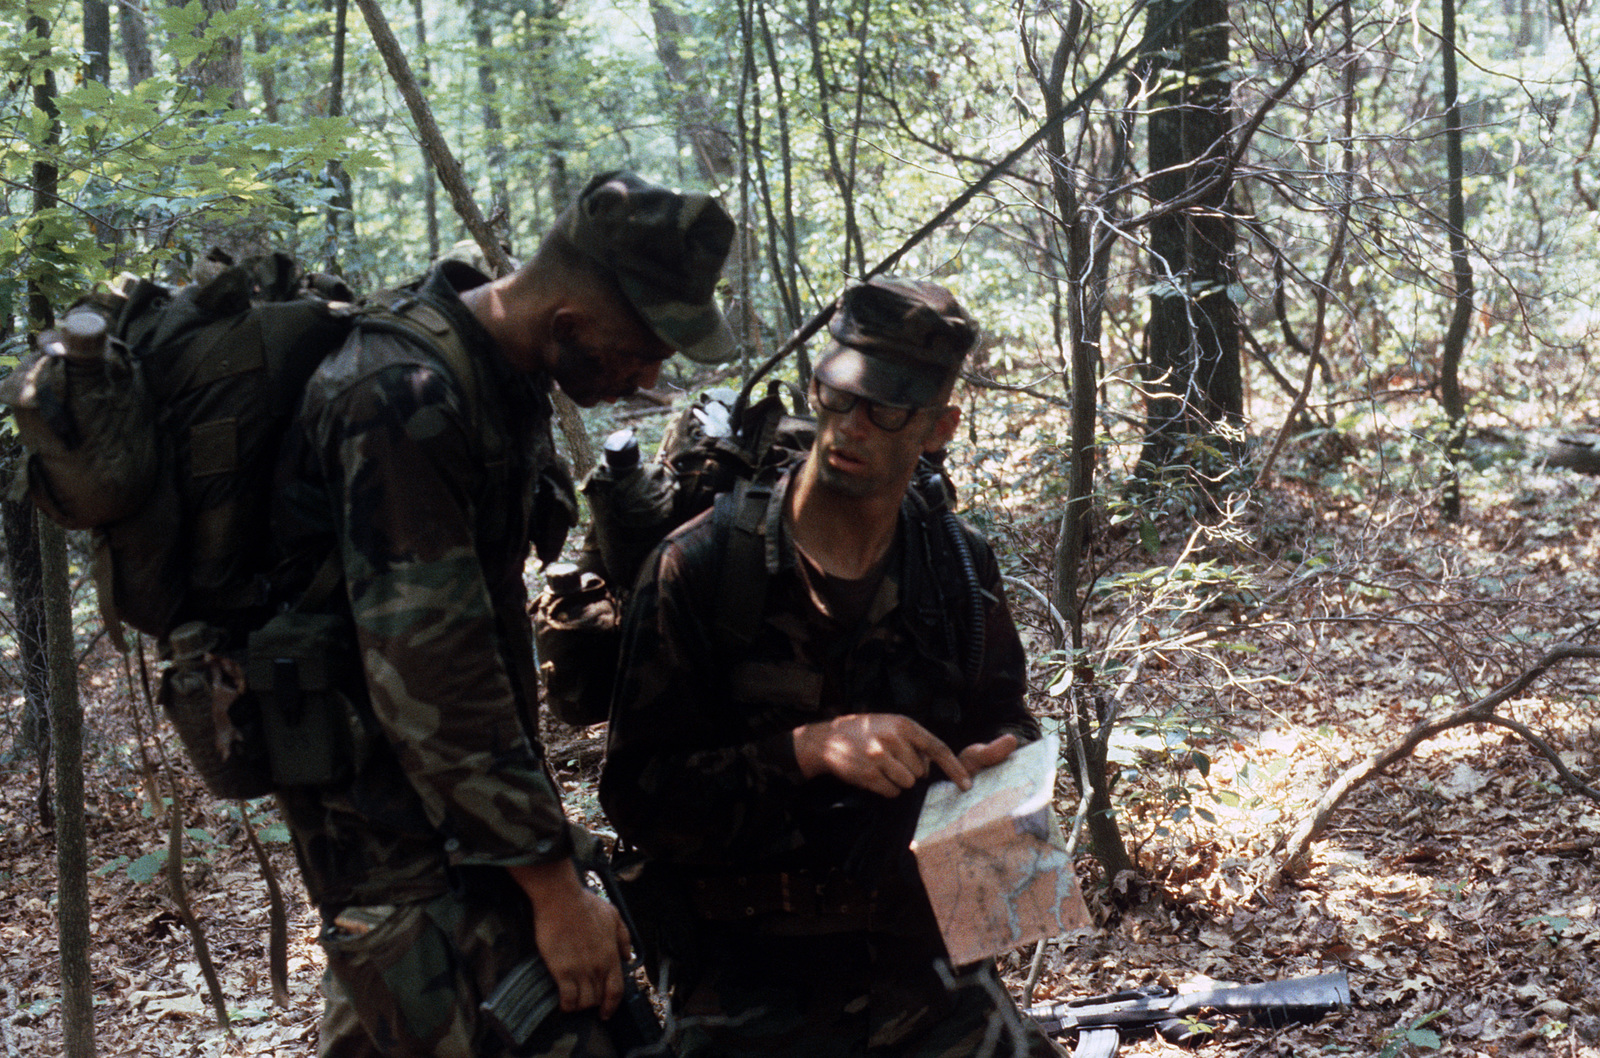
x: 294, y: 669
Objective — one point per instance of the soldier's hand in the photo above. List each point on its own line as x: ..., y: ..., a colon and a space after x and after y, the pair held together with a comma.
x: 581, y: 937
x: 981, y: 755
x: 881, y: 752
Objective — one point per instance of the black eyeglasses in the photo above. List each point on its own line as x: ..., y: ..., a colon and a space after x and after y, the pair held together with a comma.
x: 886, y: 417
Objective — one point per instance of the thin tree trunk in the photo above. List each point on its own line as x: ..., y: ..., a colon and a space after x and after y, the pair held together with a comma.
x: 430, y: 183
x: 267, y: 76
x: 72, y: 846
x: 494, y: 142
x: 341, y: 218
x: 1085, y: 286
x: 1461, y: 270
x: 66, y: 713
x: 710, y: 143
x: 27, y: 596
x: 219, y: 73
x: 548, y: 31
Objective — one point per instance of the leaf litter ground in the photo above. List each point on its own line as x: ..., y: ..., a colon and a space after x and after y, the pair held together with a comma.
x: 1459, y: 889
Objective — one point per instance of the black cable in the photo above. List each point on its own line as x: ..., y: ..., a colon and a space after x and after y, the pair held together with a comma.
x: 977, y: 632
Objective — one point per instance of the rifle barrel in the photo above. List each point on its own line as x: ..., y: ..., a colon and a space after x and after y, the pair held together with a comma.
x: 1272, y: 1003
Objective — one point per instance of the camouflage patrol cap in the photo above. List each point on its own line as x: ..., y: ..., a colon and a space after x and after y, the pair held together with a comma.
x: 665, y: 249
x: 899, y: 341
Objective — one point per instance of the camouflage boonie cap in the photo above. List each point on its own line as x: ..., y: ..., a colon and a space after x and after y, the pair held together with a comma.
x: 898, y: 341
x: 666, y: 250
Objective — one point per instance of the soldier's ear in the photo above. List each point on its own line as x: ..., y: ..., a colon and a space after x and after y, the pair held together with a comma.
x: 944, y: 429
x: 567, y: 324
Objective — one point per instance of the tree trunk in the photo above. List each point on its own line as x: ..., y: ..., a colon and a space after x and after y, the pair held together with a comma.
x: 220, y: 72
x: 697, y: 120
x: 220, y: 76
x: 341, y: 228
x: 97, y: 40
x: 547, y: 31
x: 1085, y: 283
x: 66, y: 715
x: 713, y: 147
x: 430, y: 183
x: 267, y: 76
x: 27, y: 596
x: 97, y: 68
x: 1461, y: 270
x: 1191, y: 362
x: 72, y: 848
x: 494, y: 141
x: 135, y: 35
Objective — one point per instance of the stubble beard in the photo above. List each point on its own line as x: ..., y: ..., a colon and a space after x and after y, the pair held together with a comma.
x: 841, y: 484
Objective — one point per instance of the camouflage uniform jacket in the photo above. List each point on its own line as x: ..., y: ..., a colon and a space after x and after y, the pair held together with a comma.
x: 700, y: 769
x: 387, y: 465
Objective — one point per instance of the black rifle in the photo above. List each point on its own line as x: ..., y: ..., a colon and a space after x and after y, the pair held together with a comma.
x: 1102, y: 1020
x: 527, y: 995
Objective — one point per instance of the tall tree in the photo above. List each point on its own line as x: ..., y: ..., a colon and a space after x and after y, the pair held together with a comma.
x: 430, y: 183
x: 218, y: 75
x: 698, y: 123
x: 482, y: 16
x: 1086, y: 238
x: 135, y: 36
x: 1191, y: 352
x: 711, y: 143
x: 24, y: 573
x: 72, y: 845
x: 66, y: 712
x: 341, y: 229
x: 547, y: 34
x: 1460, y: 270
x: 97, y: 40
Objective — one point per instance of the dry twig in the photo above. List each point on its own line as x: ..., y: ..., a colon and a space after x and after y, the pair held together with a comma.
x: 1481, y: 711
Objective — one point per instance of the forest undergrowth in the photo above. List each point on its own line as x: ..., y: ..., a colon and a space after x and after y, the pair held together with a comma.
x: 1254, y: 660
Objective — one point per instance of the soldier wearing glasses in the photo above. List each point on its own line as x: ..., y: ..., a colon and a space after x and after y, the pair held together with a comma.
x: 773, y: 789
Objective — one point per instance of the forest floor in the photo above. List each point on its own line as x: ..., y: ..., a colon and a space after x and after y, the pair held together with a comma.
x: 1253, y: 663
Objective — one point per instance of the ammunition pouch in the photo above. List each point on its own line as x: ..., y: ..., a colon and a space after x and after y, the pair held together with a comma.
x: 297, y: 667
x: 203, y: 694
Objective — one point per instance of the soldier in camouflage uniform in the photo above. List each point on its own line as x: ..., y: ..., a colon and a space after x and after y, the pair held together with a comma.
x: 444, y: 859
x: 772, y: 787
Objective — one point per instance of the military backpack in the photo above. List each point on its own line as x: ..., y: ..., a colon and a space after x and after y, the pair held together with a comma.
x: 153, y: 418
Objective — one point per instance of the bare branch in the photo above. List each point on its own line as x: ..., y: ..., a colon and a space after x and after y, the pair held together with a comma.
x: 1481, y: 711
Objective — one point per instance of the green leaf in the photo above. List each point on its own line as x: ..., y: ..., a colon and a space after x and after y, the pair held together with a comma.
x: 149, y: 865
x: 1148, y: 537
x: 111, y: 866
x: 1424, y: 1038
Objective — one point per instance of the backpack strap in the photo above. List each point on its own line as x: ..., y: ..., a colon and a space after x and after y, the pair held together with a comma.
x: 739, y: 519
x: 402, y: 312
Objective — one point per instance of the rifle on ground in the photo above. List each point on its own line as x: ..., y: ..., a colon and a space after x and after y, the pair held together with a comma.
x: 1101, y: 1021
x: 527, y: 995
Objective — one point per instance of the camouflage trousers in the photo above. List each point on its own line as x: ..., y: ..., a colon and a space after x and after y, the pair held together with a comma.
x: 405, y: 981
x: 844, y: 996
